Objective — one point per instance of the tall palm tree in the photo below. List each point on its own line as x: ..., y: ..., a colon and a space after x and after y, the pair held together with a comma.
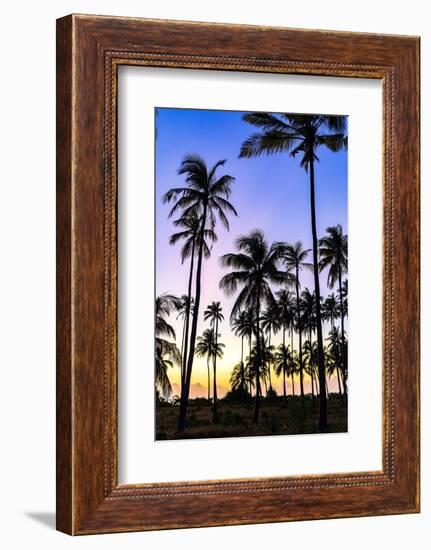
x: 214, y: 314
x: 294, y: 260
x: 189, y: 230
x: 270, y: 320
x: 300, y: 135
x: 333, y: 254
x: 206, y: 346
x: 205, y: 195
x: 255, y: 266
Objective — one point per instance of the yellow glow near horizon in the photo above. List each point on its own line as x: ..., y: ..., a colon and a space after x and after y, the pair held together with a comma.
x: 225, y: 365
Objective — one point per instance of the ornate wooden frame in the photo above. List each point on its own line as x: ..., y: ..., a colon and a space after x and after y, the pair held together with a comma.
x: 89, y: 51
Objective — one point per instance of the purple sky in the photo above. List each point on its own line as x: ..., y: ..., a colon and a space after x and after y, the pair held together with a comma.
x: 270, y: 193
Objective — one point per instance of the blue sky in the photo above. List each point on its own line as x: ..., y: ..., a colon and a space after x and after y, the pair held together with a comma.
x: 270, y: 193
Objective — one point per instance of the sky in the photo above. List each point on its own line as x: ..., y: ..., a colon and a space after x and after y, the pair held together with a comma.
x: 269, y: 192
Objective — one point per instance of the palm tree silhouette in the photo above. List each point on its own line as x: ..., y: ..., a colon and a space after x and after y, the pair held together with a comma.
x: 281, y: 364
x: 311, y: 363
x: 241, y: 328
x: 255, y: 266
x: 330, y: 309
x: 293, y: 368
x: 207, y: 196
x: 333, y: 254
x: 285, y: 306
x: 271, y: 324
x: 214, y: 314
x: 258, y: 362
x: 334, y: 355
x: 206, y: 346
x: 294, y: 260
x: 184, y: 308
x: 189, y: 226
x: 308, y: 312
x: 240, y: 379
x: 300, y: 135
x: 167, y: 353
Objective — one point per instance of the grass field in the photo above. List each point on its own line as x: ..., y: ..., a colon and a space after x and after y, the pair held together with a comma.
x: 277, y: 417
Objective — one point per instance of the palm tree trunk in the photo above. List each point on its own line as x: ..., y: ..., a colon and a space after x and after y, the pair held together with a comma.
x: 242, y: 350
x: 215, y: 375
x: 269, y: 369
x: 323, y: 424
x: 284, y: 363
x: 186, y: 387
x: 187, y: 319
x: 256, y: 409
x: 339, y: 384
x: 182, y: 354
x: 343, y: 347
x: 317, y: 384
x: 298, y: 313
x: 291, y: 347
x: 209, y: 382
x: 249, y: 354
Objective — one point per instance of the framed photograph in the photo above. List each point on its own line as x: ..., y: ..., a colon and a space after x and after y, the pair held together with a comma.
x: 237, y: 274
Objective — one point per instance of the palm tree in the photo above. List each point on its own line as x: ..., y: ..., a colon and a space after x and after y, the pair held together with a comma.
x: 271, y: 324
x: 258, y: 362
x: 184, y: 308
x: 300, y: 135
x: 167, y: 353
x: 207, y: 196
x: 190, y: 226
x: 165, y: 304
x: 308, y: 312
x: 293, y: 368
x: 333, y: 254
x: 214, y: 314
x: 281, y: 364
x: 294, y: 260
x: 311, y: 363
x: 285, y: 306
x: 241, y: 327
x: 206, y: 346
x: 343, y: 295
x: 334, y: 355
x: 330, y: 309
x: 240, y: 379
x: 254, y: 267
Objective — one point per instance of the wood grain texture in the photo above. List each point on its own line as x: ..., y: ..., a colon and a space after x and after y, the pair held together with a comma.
x: 90, y: 49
